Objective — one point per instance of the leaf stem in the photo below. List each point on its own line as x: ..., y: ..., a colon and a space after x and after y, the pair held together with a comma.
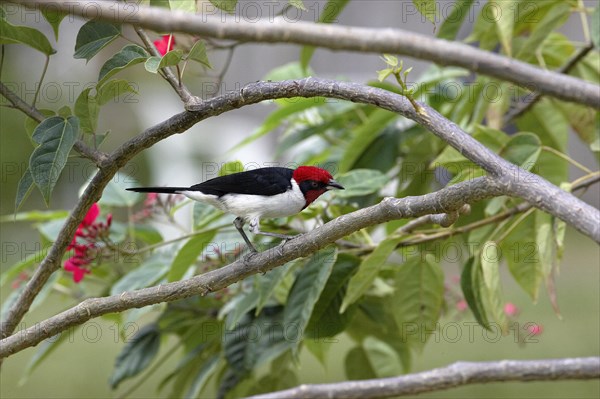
x: 37, y: 91
x: 566, y: 158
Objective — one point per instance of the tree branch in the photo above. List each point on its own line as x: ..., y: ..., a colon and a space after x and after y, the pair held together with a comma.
x: 455, y: 375
x: 335, y: 37
x: 511, y: 179
x: 445, y: 200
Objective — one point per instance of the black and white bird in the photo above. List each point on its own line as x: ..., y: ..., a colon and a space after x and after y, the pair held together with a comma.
x: 259, y: 193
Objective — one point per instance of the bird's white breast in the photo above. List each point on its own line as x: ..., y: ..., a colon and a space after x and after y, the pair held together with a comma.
x: 252, y: 206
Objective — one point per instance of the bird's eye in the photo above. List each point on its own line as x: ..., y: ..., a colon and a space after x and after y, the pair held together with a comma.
x: 314, y: 184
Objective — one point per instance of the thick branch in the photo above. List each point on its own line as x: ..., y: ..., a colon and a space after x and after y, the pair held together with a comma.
x: 512, y: 179
x: 335, y: 37
x: 446, y: 200
x: 455, y: 375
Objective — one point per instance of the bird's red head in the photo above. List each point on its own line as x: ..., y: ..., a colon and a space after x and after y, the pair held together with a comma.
x: 313, y: 182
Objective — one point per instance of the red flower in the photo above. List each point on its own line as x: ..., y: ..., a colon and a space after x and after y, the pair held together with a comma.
x: 91, y: 215
x: 535, y: 329
x: 72, y: 266
x: 88, y: 233
x: 510, y: 309
x: 461, y: 305
x: 165, y: 44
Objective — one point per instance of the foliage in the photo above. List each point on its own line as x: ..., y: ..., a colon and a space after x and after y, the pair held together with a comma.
x: 383, y: 287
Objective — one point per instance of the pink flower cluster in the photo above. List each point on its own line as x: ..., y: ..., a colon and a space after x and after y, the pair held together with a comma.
x: 85, y: 241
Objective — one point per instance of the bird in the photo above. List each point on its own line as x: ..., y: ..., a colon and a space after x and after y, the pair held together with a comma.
x: 268, y: 192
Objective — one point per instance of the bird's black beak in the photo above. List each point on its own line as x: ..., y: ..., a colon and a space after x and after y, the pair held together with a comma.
x: 333, y: 184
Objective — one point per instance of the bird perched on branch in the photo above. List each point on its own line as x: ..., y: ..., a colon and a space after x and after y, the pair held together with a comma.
x: 260, y: 193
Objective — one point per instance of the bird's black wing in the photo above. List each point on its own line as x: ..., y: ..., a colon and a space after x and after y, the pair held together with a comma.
x: 263, y: 181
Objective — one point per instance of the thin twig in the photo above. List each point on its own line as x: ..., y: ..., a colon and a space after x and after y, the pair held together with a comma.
x: 182, y: 91
x: 535, y: 97
x: 37, y: 91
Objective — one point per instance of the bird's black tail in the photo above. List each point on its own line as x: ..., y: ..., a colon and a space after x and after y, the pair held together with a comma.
x: 160, y: 190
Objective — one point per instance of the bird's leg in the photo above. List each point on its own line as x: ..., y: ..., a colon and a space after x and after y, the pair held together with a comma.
x: 239, y: 225
x: 255, y: 229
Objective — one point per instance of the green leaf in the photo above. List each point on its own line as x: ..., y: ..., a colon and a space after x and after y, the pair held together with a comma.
x: 12, y: 34
x: 35, y: 216
x: 454, y: 20
x: 239, y: 306
x: 147, y: 233
x: 359, y: 182
x: 188, y: 254
x: 556, y: 16
x: 136, y: 355
x: 198, y: 54
x: 160, y: 3
x: 383, y: 74
x: 115, y: 193
x: 31, y: 124
x: 54, y: 18
x: 327, y: 318
x: 584, y: 120
x: 245, y: 350
x: 183, y: 5
x: 357, y: 365
x: 93, y: 37
x: 267, y: 283
x: 330, y: 12
x: 427, y: 8
x: 56, y: 136
x: 363, y: 135
x: 552, y: 128
x: 491, y: 290
x: 298, y: 4
x: 276, y: 118
x: 523, y: 149
x: 225, y: 5
x: 173, y: 57
x: 595, y: 27
x: 87, y: 110
x: 470, y: 281
x: 129, y: 55
x: 418, y: 298
x: 24, y: 188
x: 382, y: 358
x: 152, y: 63
x: 201, y: 378
x: 368, y: 271
x: 307, y: 289
x: 503, y: 15
x: 147, y: 274
x: 203, y: 214
x: 230, y: 168
x: 291, y: 70
x: 113, y: 89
